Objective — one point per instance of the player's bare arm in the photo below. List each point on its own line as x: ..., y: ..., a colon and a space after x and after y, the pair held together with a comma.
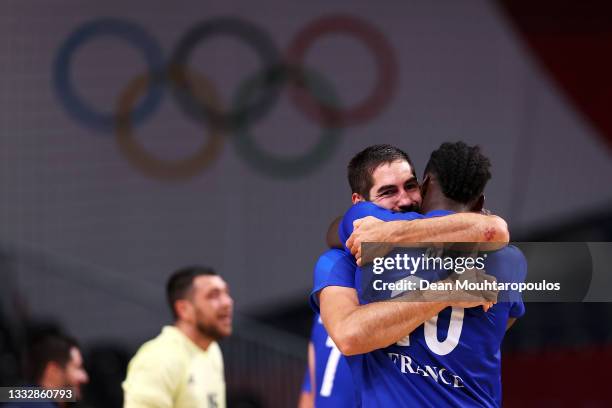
x: 490, y: 230
x: 357, y: 329
x: 307, y: 398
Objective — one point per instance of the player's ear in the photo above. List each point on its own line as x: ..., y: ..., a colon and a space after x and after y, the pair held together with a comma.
x: 184, y: 309
x: 425, y: 184
x: 357, y: 198
x: 478, y: 204
x: 53, y: 372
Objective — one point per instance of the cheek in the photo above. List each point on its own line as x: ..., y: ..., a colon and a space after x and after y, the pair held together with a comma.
x: 416, y: 196
x: 389, y: 201
x: 206, y: 309
x: 71, y: 375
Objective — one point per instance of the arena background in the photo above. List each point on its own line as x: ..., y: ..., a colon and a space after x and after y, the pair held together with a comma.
x: 98, y: 206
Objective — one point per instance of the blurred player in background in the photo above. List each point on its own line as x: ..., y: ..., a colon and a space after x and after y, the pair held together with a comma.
x: 54, y: 361
x: 420, y: 370
x: 306, y: 395
x: 328, y: 381
x: 183, y: 366
x: 333, y: 382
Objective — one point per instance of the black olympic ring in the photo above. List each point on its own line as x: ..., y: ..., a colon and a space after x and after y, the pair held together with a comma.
x: 274, y: 165
x: 253, y: 36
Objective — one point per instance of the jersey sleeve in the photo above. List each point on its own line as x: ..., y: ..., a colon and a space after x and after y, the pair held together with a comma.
x: 334, y: 268
x: 508, y: 265
x: 517, y: 309
x: 365, y: 209
x: 306, y: 383
x: 151, y: 380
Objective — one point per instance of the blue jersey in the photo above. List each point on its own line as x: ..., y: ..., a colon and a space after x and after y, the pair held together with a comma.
x: 334, y: 385
x: 333, y: 268
x: 306, y: 382
x: 333, y: 378
x: 453, y: 359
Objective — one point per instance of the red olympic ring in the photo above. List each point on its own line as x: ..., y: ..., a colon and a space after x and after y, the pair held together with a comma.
x: 386, y: 64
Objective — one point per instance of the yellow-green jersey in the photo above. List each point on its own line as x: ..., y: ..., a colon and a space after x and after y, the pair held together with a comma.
x: 171, y: 371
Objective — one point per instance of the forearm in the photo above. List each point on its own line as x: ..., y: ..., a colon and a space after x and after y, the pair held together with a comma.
x: 306, y: 400
x: 380, y: 324
x: 489, y: 230
x: 358, y: 329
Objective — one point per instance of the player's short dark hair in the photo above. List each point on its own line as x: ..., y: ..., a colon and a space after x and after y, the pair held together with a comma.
x: 363, y: 164
x: 45, y: 348
x: 180, y: 283
x: 461, y: 170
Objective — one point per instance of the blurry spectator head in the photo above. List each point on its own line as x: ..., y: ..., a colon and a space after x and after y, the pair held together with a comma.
x: 200, y: 299
x: 54, y: 360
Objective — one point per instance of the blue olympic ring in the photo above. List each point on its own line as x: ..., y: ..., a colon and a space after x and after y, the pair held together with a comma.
x: 134, y: 35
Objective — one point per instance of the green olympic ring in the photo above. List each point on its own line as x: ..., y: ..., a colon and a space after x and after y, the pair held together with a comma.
x: 271, y: 164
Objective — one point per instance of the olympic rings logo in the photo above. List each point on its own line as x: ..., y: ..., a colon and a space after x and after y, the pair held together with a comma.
x: 254, y: 98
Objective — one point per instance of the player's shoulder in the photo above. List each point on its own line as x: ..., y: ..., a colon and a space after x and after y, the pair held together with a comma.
x: 363, y: 209
x: 216, y: 355
x: 510, y: 257
x: 215, y: 350
x: 367, y: 208
x: 511, y: 253
x: 332, y: 257
x: 437, y: 213
x: 164, y: 350
x: 363, y: 206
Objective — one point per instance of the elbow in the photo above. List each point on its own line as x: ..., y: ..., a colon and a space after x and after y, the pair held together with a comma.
x: 502, y: 233
x: 348, y: 343
x: 496, y: 231
x: 347, y: 347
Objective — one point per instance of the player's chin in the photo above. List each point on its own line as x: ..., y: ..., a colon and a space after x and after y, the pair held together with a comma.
x: 76, y: 389
x: 224, y: 325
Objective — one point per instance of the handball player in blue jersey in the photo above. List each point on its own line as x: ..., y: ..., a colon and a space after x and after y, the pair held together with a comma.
x: 393, y: 377
x: 306, y: 399
x: 332, y: 382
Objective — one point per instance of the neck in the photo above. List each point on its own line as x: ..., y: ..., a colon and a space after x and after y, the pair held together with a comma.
x: 192, y: 332
x: 437, y: 201
x: 50, y: 384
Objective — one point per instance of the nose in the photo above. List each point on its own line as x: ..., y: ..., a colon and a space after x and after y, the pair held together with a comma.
x: 228, y: 302
x: 407, y: 198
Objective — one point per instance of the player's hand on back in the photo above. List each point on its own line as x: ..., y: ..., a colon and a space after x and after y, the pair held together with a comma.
x: 368, y: 229
x: 486, y: 297
x: 465, y: 298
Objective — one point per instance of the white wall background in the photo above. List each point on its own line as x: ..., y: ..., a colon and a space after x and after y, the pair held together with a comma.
x: 68, y: 192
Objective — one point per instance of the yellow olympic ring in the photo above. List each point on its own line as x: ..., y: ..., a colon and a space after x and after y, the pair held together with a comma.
x: 143, y: 160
